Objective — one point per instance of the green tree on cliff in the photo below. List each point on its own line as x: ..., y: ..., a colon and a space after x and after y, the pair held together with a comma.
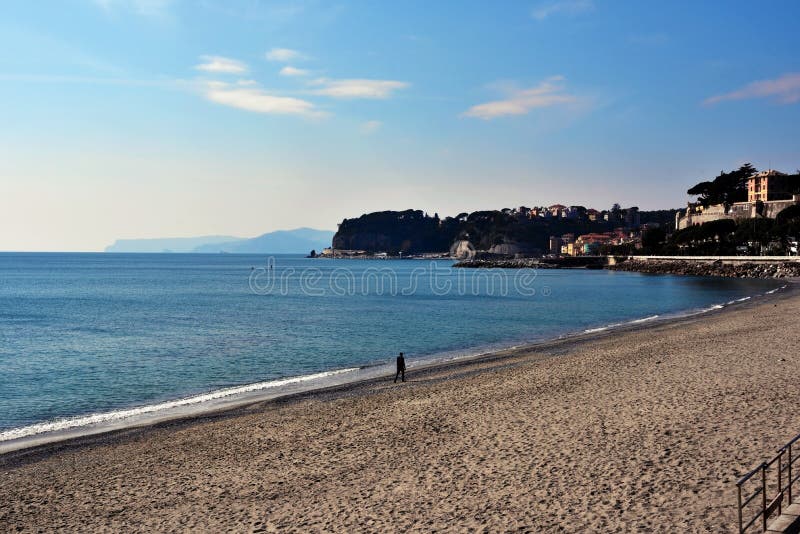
x: 727, y: 188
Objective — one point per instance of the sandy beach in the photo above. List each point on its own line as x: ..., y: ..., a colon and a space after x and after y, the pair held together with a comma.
x: 641, y: 430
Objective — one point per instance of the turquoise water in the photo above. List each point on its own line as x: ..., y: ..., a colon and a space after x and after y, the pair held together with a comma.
x: 93, y: 333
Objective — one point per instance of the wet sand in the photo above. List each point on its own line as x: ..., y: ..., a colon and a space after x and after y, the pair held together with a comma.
x: 640, y: 430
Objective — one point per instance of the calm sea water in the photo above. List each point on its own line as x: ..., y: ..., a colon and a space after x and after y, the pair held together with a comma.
x: 93, y: 333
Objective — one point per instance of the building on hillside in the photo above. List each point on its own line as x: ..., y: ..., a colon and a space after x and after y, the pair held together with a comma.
x: 696, y: 214
x: 592, y: 214
x: 632, y: 217
x: 648, y: 227
x: 766, y: 186
x: 591, y: 248
x: 555, y: 244
x: 590, y: 243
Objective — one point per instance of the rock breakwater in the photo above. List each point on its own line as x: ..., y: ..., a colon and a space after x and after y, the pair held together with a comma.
x: 565, y: 262
x: 716, y: 268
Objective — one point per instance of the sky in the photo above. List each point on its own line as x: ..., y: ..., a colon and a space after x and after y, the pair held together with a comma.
x: 177, y: 118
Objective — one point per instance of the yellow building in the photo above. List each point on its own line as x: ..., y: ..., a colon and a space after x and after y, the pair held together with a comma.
x: 766, y: 185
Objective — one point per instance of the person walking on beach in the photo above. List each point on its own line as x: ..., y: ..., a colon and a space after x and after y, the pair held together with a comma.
x: 401, y: 368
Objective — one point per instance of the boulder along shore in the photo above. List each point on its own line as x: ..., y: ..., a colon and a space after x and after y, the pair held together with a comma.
x: 786, y: 269
x: 716, y: 268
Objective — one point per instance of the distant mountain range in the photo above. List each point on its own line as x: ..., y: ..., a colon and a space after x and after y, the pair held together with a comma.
x: 297, y: 241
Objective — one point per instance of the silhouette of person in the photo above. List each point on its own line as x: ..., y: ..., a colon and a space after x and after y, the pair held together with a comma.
x: 401, y: 368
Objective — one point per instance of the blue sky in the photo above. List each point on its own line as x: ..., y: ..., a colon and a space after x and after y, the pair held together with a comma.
x: 159, y: 118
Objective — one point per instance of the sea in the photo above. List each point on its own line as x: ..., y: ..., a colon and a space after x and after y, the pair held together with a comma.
x: 94, y: 341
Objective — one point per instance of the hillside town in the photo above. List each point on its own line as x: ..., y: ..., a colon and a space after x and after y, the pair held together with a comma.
x: 741, y: 212
x: 521, y: 231
x: 768, y: 193
x: 628, y: 233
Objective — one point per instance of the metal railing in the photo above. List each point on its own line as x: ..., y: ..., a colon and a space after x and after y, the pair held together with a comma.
x: 770, y: 478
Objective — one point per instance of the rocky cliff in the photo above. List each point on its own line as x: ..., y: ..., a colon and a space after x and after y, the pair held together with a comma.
x: 409, y: 232
x: 496, y: 232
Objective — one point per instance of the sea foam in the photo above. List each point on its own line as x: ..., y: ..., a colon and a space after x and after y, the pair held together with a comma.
x: 120, y: 415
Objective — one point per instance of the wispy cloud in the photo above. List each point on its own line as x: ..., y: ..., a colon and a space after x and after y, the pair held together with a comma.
x: 147, y: 8
x: 783, y: 90
x: 284, y: 55
x: 254, y: 98
x: 292, y: 71
x: 548, y: 93
x: 561, y: 7
x: 219, y: 64
x: 370, y: 127
x: 357, y: 88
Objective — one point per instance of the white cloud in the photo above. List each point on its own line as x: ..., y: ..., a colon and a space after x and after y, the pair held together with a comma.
x: 370, y: 127
x: 784, y: 90
x: 565, y: 7
x: 357, y: 88
x: 521, y: 101
x: 219, y: 64
x: 255, y: 99
x: 292, y: 71
x: 284, y: 55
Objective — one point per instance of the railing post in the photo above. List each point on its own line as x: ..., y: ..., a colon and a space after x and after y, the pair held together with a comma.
x: 764, y: 495
x: 790, y: 475
x: 780, y: 482
x: 739, y: 491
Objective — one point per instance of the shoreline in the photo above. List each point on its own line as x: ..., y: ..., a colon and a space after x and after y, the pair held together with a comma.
x: 44, y: 444
x: 642, y: 428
